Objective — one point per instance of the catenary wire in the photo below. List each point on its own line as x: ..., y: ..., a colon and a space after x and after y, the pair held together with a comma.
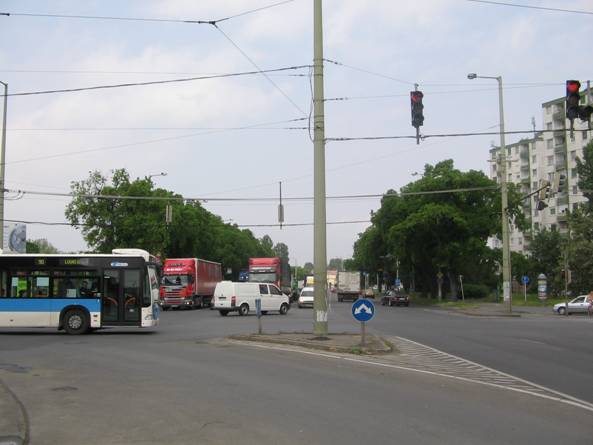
x: 144, y: 19
x: 157, y: 82
x: 531, y: 7
x: 135, y: 144
x: 262, y: 72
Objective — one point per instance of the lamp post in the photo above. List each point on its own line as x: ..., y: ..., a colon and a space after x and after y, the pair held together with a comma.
x: 157, y: 174
x: 506, y: 253
x: 2, y: 163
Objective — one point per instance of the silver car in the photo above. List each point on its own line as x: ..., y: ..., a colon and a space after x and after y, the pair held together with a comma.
x: 579, y: 304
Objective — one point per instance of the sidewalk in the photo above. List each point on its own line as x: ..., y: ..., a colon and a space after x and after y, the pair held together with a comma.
x: 13, y: 419
x: 500, y: 310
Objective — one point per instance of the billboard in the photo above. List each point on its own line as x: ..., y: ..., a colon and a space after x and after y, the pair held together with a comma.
x: 15, y: 238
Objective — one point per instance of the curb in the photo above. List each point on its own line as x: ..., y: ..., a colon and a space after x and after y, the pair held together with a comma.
x: 385, y: 346
x: 14, y: 422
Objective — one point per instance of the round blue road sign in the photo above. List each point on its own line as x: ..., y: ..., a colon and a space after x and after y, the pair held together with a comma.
x: 525, y: 279
x: 363, y: 309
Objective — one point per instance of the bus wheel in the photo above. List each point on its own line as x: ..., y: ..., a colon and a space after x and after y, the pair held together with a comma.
x: 76, y: 322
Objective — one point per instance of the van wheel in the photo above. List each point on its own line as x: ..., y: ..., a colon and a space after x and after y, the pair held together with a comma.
x: 223, y: 313
x: 76, y: 322
x: 283, y: 309
x: 243, y: 309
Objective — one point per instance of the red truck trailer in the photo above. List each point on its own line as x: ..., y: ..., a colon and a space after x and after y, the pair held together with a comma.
x: 270, y: 270
x: 188, y: 282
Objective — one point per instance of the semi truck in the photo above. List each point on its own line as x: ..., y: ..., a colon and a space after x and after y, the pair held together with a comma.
x: 273, y: 270
x: 348, y: 286
x: 188, y: 282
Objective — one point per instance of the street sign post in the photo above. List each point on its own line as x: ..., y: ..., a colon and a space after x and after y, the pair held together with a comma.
x: 440, y: 284
x: 525, y: 281
x: 258, y: 314
x: 363, y: 310
x: 398, y: 283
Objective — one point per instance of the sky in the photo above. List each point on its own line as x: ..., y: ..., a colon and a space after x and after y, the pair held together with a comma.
x: 189, y: 130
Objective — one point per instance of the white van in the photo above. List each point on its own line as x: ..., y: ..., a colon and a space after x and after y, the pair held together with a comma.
x: 240, y: 297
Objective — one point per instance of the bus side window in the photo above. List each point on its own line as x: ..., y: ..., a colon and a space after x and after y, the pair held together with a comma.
x: 3, y: 284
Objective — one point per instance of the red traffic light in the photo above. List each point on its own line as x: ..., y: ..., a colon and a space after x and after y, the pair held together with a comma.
x: 573, y: 86
x: 416, y: 96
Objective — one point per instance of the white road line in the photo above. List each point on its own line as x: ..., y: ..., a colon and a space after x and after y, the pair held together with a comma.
x: 534, y: 391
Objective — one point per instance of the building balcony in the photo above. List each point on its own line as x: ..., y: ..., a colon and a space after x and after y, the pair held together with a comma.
x: 561, y: 201
x: 560, y: 148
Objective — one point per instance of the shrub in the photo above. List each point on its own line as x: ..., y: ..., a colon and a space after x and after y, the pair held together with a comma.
x: 475, y: 290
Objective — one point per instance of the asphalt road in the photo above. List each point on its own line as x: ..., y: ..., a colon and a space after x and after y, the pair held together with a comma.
x: 175, y: 386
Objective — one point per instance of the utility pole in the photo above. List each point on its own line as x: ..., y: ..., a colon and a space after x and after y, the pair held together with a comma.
x: 2, y: 164
x: 320, y: 327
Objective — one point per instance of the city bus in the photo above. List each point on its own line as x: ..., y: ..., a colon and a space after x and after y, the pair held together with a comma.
x: 78, y: 293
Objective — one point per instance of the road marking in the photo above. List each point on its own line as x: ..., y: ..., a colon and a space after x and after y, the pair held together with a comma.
x: 423, y: 359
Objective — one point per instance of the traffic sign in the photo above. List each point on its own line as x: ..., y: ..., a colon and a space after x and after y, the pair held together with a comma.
x: 363, y: 309
x: 398, y: 282
x: 525, y: 279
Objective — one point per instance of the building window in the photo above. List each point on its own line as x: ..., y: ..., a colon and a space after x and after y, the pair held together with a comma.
x: 585, y: 135
x: 548, y: 109
x: 516, y: 150
x: 573, y: 173
x: 549, y: 126
x: 510, y: 179
x: 518, y: 177
x: 550, y: 160
x: 573, y: 155
x: 509, y: 151
x: 536, y: 226
x: 534, y: 172
x: 552, y: 211
x: 520, y: 241
x: 553, y: 227
x: 534, y: 185
x: 533, y: 159
x: 550, y: 144
x: 575, y: 190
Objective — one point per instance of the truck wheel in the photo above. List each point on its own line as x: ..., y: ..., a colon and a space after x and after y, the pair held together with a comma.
x: 244, y: 309
x: 165, y: 308
x: 223, y: 313
x: 198, y: 303
x: 283, y: 309
x: 76, y: 322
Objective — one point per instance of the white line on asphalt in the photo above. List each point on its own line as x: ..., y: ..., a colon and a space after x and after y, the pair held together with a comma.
x: 564, y: 398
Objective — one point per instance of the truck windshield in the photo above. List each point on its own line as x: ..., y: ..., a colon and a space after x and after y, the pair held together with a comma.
x: 175, y: 280
x: 256, y: 277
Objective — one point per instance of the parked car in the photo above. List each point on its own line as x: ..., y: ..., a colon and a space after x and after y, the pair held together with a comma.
x: 306, y: 298
x: 240, y: 297
x: 395, y: 298
x: 576, y: 305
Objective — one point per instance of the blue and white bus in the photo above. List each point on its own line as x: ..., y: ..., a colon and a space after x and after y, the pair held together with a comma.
x: 79, y: 293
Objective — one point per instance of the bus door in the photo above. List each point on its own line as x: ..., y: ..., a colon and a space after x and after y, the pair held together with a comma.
x: 121, y: 300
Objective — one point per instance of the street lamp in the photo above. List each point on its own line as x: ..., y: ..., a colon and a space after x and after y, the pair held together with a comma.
x: 506, y: 253
x: 157, y: 174
x: 2, y: 159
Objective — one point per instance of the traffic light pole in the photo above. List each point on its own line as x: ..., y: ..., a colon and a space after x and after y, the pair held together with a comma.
x: 320, y: 326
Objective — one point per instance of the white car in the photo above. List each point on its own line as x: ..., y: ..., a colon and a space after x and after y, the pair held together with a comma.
x: 306, y: 298
x: 578, y: 304
x: 240, y: 297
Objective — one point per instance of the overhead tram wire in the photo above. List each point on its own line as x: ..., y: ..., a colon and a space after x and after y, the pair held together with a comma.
x: 427, y: 136
x: 542, y: 8
x: 145, y: 19
x: 262, y: 72
x: 156, y: 73
x: 334, y: 62
x: 158, y: 82
x: 252, y: 199
x: 145, y: 142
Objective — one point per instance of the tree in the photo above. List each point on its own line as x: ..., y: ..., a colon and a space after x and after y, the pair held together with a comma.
x: 546, y: 249
x: 281, y: 250
x: 336, y: 264
x: 429, y: 232
x: 193, y: 232
x: 308, y: 268
x: 41, y: 246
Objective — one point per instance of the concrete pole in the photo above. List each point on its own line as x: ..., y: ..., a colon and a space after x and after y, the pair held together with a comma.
x: 320, y: 326
x: 2, y: 164
x: 506, y: 251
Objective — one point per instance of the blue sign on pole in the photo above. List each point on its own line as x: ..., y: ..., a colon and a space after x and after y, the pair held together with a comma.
x: 398, y: 282
x: 363, y: 309
x: 525, y: 279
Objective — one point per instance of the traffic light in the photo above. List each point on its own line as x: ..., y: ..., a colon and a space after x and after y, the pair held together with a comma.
x: 417, y: 108
x: 573, y: 97
x: 543, y: 195
x: 559, y: 183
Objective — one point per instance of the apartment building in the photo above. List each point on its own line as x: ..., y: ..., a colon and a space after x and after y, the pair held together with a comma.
x: 534, y: 160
